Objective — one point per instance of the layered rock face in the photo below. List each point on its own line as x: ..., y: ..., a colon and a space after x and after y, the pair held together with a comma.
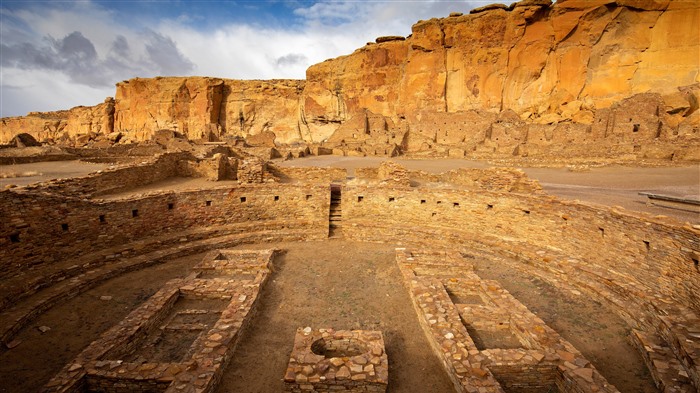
x: 208, y: 108
x: 582, y: 78
x: 61, y: 125
x: 515, y: 79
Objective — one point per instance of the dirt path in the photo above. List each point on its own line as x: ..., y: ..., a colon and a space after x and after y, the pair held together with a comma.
x: 338, y: 284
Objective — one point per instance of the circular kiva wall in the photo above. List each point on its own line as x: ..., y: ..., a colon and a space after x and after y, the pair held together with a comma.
x: 645, y: 268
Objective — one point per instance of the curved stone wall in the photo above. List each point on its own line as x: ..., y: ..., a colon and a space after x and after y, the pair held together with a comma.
x: 656, y: 254
x: 645, y: 268
x: 46, y: 239
x: 46, y: 228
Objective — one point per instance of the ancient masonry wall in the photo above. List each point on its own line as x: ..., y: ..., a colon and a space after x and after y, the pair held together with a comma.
x: 116, y: 179
x: 309, y: 175
x: 645, y: 268
x: 144, y: 352
x: 492, y: 179
x: 328, y: 360
x: 40, y: 229
x: 217, y: 168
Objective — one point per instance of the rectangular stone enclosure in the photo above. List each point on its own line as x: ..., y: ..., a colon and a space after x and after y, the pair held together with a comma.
x: 327, y: 360
x: 181, y: 338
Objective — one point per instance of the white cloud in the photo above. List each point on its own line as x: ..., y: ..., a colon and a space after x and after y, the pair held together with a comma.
x: 138, y: 47
x: 37, y: 90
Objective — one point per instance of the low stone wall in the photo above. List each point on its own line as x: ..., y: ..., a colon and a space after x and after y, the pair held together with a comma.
x: 143, y: 352
x: 492, y: 179
x: 328, y: 360
x: 485, y: 338
x: 39, y: 230
x: 215, y: 168
x: 659, y: 254
x: 251, y: 170
x: 116, y: 179
x: 309, y: 175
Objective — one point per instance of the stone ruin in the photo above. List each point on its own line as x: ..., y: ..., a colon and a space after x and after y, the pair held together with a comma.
x: 486, y: 339
x: 61, y: 238
x: 430, y: 94
x: 327, y: 360
x: 181, y: 339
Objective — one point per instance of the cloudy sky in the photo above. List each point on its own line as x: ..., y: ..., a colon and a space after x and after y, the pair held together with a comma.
x: 59, y: 54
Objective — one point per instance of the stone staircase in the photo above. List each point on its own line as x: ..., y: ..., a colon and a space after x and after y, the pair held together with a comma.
x: 335, y: 214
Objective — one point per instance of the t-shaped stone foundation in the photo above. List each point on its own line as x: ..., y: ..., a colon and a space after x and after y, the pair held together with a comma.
x: 327, y: 360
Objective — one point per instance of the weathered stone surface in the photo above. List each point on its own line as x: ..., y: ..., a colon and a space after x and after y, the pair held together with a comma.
x: 61, y: 125
x: 138, y: 368
x: 338, y: 361
x: 438, y: 91
x: 208, y: 108
x: 547, y: 64
x: 24, y: 140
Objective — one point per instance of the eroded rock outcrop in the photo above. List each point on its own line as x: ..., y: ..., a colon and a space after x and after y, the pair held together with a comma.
x: 208, y: 108
x: 562, y: 70
x: 61, y: 126
x: 578, y: 78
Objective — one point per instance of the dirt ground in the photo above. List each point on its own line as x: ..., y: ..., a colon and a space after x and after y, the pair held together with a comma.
x: 342, y: 285
x: 23, y: 174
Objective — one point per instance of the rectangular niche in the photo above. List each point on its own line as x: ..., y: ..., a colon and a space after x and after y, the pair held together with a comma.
x: 493, y: 338
x: 175, y: 329
x: 518, y: 378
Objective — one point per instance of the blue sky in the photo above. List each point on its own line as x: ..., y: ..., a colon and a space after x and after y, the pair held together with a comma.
x: 60, y: 54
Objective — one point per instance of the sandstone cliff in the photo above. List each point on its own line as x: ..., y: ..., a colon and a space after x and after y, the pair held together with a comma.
x: 61, y: 125
x: 514, y: 80
x: 575, y: 78
x: 208, y: 108
x: 533, y: 58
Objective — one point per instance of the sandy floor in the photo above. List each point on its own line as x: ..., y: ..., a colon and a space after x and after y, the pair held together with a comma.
x: 343, y: 285
x: 23, y: 174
